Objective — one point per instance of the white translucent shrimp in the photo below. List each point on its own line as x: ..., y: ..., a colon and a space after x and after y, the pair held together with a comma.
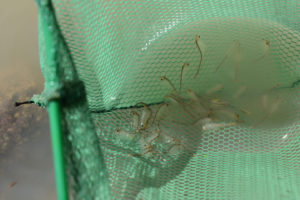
x: 247, y: 112
x: 151, y: 136
x: 135, y: 123
x: 160, y: 113
x: 138, y: 124
x: 124, y: 135
x: 145, y: 117
x: 275, y: 105
x: 215, y: 126
x: 177, y: 147
x: 218, y: 102
x: 207, y: 106
x: 269, y: 108
x: 198, y: 105
x: 239, y: 92
x: 176, y: 100
x: 265, y: 96
x: 208, y: 124
x: 149, y: 150
x: 214, y: 89
x: 266, y: 49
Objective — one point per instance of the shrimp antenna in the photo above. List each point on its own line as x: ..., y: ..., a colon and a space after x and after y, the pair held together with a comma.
x: 164, y: 78
x: 181, y: 74
x: 24, y: 102
x: 236, y: 42
x: 197, y: 37
x: 221, y: 63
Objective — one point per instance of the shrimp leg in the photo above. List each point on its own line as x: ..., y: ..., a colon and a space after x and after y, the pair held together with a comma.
x: 229, y: 52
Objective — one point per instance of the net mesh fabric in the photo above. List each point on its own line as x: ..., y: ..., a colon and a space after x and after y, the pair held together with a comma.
x: 121, y: 49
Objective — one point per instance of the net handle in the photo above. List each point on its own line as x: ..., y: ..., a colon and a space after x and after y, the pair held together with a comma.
x: 54, y: 110
x: 54, y: 105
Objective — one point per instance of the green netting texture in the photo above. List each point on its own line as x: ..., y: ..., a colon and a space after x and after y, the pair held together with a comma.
x: 230, y: 131
x: 86, y: 170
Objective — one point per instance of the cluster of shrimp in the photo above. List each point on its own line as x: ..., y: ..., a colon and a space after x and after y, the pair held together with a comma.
x: 145, y: 131
x: 206, y: 111
x: 269, y: 105
x: 236, y: 52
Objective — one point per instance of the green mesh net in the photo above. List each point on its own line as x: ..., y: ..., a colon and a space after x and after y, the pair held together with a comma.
x: 224, y: 126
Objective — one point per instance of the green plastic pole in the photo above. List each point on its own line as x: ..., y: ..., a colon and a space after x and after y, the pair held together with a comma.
x: 51, y: 35
x: 54, y: 110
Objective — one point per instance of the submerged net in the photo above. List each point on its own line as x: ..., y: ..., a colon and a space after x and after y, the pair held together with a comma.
x: 229, y: 131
